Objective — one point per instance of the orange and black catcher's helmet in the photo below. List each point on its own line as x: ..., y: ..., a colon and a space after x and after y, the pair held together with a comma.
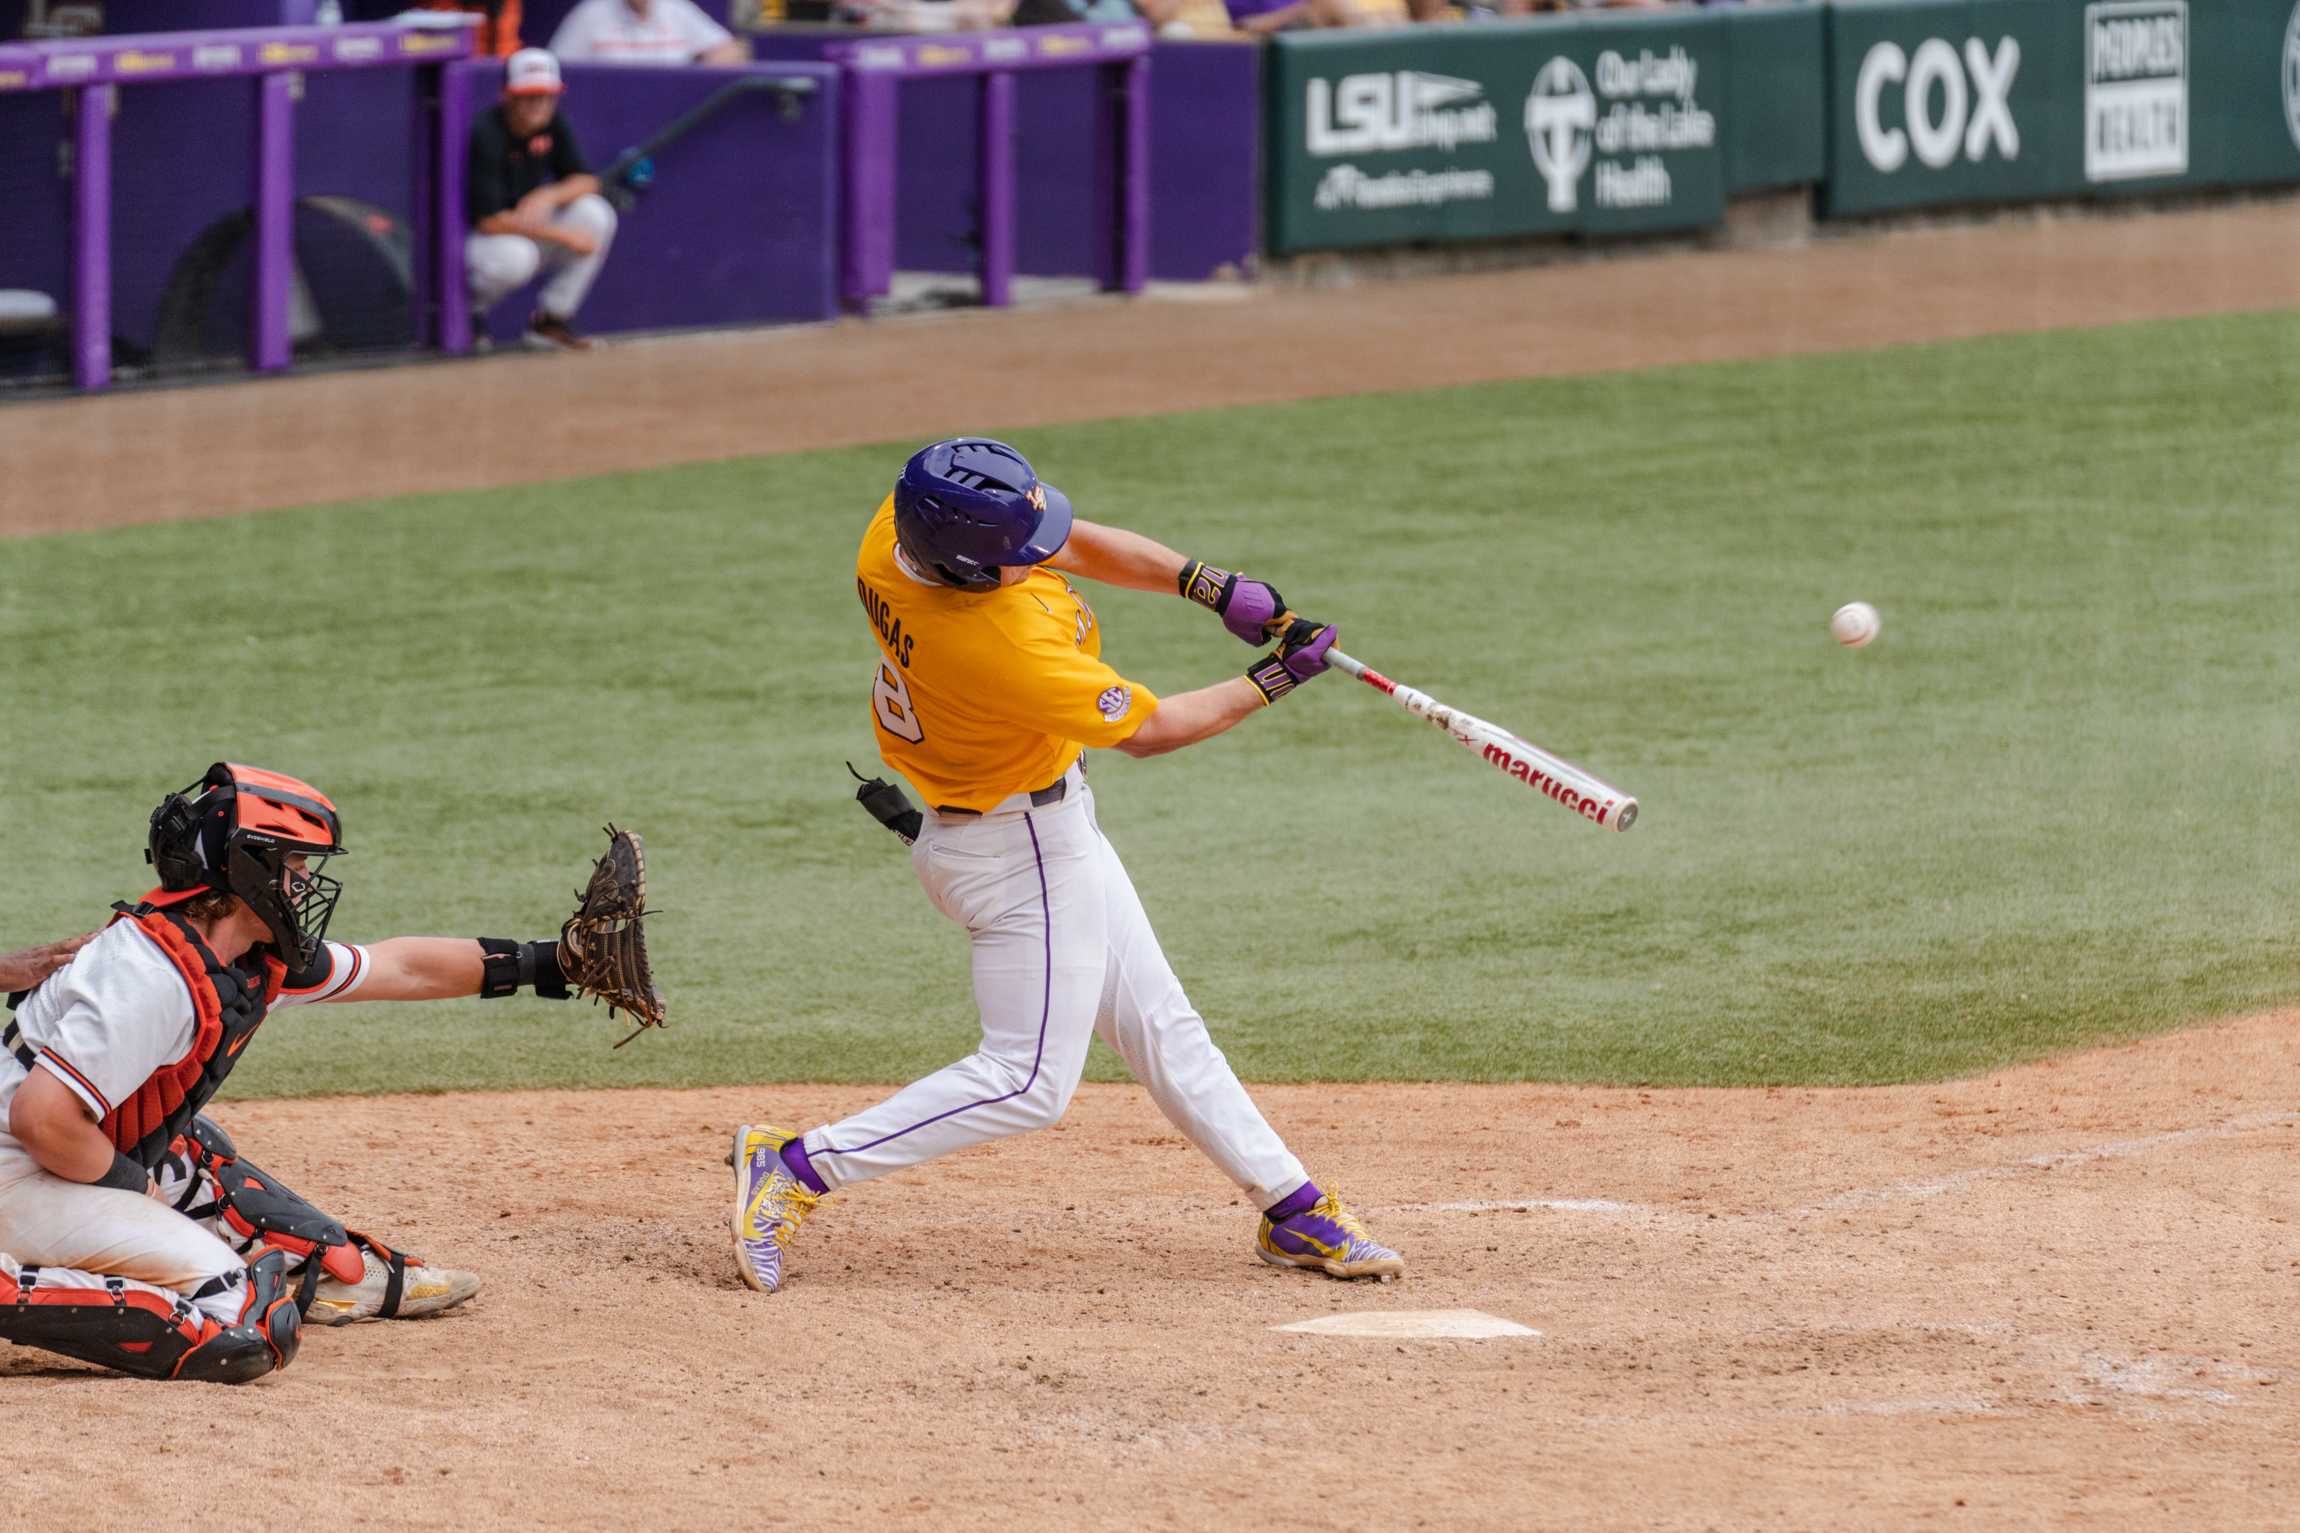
x: 233, y: 832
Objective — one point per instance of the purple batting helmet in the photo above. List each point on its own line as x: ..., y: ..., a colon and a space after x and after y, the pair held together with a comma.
x: 969, y: 506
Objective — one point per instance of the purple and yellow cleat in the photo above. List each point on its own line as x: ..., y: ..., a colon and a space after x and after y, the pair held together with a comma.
x: 1326, y: 1237
x: 770, y: 1204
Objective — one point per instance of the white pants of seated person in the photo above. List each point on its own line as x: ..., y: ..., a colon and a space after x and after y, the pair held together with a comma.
x: 498, y: 265
x: 1062, y: 951
x: 71, y: 1229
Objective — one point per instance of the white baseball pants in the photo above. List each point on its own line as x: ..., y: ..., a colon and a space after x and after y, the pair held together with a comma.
x: 1062, y: 951
x: 70, y: 1229
x: 498, y: 265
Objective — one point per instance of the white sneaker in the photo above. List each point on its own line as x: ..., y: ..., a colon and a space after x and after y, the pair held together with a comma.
x: 421, y: 1291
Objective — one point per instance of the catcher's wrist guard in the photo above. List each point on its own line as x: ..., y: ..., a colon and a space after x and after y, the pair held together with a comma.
x: 506, y: 967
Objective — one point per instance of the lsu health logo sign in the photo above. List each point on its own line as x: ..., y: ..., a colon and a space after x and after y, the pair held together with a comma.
x: 2135, y: 89
x: 1403, y: 109
x: 1560, y: 118
x: 1974, y: 118
x: 1641, y: 108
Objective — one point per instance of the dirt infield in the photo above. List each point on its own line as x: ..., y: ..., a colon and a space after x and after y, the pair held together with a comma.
x: 2057, y: 1297
x: 159, y: 456
x: 2062, y: 1296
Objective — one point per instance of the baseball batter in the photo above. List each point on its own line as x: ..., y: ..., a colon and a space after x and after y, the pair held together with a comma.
x: 132, y: 1233
x: 989, y: 689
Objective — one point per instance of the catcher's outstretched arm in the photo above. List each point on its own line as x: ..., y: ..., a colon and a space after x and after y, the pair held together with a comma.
x: 423, y: 969
x: 444, y: 968
x: 600, y: 952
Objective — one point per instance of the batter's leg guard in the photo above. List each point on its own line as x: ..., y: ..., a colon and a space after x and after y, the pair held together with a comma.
x: 150, y: 1332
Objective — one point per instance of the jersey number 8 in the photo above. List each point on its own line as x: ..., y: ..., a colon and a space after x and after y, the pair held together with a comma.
x: 890, y: 696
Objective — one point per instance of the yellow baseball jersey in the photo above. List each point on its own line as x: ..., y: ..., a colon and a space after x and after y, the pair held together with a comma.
x: 980, y: 695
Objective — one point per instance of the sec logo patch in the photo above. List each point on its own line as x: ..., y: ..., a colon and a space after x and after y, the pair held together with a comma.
x: 1114, y: 701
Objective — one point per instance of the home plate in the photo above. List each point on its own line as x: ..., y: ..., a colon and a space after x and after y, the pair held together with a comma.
x: 1412, y: 1324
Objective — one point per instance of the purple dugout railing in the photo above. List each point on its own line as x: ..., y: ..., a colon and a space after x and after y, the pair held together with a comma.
x: 93, y: 69
x: 875, y: 70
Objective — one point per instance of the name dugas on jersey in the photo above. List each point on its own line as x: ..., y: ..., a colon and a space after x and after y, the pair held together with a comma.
x: 979, y: 695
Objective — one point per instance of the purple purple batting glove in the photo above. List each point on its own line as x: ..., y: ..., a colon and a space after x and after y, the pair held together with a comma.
x: 1300, y: 655
x: 1246, y: 607
x: 1304, y: 646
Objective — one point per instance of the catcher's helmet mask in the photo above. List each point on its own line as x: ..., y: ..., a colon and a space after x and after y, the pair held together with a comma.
x: 968, y: 507
x: 240, y: 830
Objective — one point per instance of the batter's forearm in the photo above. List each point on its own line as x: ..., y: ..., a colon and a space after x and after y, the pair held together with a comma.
x: 1189, y: 717
x: 1117, y: 557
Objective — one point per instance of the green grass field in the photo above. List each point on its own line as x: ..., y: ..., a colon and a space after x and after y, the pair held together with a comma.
x: 2055, y: 803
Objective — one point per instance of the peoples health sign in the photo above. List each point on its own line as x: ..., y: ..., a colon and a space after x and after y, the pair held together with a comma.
x: 2135, y: 89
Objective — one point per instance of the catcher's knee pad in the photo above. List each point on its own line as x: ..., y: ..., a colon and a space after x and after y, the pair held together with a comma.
x: 210, y: 1136
x: 150, y: 1332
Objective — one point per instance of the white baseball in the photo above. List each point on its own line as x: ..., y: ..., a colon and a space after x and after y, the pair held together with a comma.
x: 1854, y: 624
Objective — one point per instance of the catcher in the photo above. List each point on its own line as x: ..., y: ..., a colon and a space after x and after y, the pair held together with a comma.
x: 132, y: 1232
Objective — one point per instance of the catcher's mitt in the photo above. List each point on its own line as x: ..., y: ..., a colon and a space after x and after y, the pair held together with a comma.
x: 603, y: 946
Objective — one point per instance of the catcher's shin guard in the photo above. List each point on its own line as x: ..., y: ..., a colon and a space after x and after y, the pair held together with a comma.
x: 248, y: 1207
x: 153, y: 1333
x: 343, y: 1275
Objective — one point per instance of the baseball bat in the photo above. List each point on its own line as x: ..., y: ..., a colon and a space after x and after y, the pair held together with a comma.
x: 1515, y: 757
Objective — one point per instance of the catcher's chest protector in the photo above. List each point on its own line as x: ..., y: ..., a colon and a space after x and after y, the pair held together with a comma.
x: 228, y: 1005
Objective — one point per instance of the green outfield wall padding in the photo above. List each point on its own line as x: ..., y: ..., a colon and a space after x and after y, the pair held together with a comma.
x: 1608, y: 124
x: 1629, y: 123
x: 1935, y: 102
x: 1776, y: 89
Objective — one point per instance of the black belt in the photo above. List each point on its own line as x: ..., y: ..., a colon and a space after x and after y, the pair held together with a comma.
x: 1052, y: 793
x: 13, y: 1038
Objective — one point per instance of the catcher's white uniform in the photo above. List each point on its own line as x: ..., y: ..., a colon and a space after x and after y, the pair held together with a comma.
x: 103, y: 1024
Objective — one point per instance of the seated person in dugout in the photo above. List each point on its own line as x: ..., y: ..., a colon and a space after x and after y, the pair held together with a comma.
x: 132, y: 1233
x: 534, y: 205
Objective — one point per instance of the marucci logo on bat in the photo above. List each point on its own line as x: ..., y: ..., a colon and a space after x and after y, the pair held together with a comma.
x: 1541, y: 782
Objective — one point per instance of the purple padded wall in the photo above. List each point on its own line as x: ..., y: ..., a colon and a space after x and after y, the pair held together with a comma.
x: 1205, y: 165
x: 36, y: 236
x: 740, y: 225
x: 184, y: 155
